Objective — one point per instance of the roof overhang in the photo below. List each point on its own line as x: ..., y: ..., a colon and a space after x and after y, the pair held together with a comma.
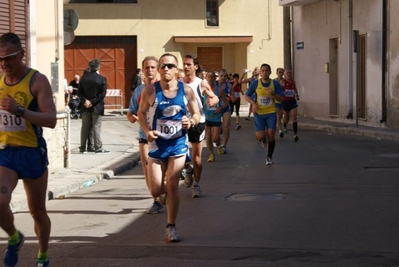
x: 213, y: 39
x: 296, y: 2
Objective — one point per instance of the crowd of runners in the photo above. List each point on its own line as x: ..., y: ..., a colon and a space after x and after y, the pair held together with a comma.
x: 177, y: 107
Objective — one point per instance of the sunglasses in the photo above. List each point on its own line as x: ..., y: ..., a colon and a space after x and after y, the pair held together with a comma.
x: 9, y: 57
x: 169, y: 65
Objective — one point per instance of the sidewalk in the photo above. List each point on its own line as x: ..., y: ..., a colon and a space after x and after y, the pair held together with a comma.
x: 120, y: 137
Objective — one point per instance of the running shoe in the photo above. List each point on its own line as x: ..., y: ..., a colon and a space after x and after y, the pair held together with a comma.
x: 224, y: 150
x: 269, y: 161
x: 11, y: 255
x: 171, y: 234
x: 281, y: 133
x: 296, y: 138
x: 211, y: 158
x: 183, y: 174
x: 162, y: 199
x: 156, y: 208
x: 220, y: 150
x: 196, y: 191
x: 247, y: 118
x: 238, y: 126
x: 285, y: 130
x: 42, y: 262
x: 263, y: 143
x: 188, y: 179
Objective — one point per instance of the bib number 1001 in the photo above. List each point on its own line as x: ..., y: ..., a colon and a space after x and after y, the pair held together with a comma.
x: 169, y: 129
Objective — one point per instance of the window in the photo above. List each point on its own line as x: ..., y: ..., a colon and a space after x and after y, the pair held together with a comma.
x: 212, y: 13
x: 104, y: 1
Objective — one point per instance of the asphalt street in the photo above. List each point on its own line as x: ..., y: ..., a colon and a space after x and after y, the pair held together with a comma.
x: 329, y: 200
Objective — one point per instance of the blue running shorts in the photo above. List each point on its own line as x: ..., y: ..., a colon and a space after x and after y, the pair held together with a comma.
x: 266, y: 121
x: 175, y: 148
x: 27, y: 162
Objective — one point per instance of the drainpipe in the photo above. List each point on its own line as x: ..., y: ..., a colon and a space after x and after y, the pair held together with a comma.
x: 67, y: 150
x: 384, y: 60
x: 350, y: 112
x: 287, y: 37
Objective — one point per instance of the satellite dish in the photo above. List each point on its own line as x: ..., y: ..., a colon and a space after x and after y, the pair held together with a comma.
x: 68, y: 37
x: 71, y: 20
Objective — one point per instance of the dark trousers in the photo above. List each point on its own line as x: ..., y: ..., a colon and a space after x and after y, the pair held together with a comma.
x: 91, y: 122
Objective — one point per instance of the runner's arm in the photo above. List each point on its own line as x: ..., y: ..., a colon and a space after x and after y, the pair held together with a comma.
x: 192, y: 107
x: 147, y: 97
x: 206, y: 90
x: 41, y: 88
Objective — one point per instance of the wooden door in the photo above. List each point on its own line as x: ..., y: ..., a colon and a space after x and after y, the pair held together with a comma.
x: 118, y: 56
x: 210, y: 58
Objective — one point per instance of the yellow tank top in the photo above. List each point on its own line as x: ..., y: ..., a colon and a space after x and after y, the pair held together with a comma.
x: 15, y: 130
x: 264, y: 100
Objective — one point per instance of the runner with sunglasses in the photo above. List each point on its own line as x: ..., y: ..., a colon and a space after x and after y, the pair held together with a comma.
x: 167, y: 102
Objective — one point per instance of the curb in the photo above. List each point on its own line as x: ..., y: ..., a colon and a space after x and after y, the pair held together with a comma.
x: 377, y: 134
x: 124, y: 162
x: 65, y: 181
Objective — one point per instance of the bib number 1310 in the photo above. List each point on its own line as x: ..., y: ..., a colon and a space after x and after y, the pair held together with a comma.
x: 10, y: 122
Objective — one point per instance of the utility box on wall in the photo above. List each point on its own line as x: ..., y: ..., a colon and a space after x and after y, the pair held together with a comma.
x: 54, y: 77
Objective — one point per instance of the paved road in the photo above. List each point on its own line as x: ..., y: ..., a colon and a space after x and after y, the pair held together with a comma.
x: 329, y: 200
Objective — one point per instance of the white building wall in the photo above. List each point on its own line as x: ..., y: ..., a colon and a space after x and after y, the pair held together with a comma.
x: 47, y: 46
x: 315, y: 24
x: 393, y: 64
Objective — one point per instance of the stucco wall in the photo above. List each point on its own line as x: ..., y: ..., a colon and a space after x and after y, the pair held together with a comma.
x: 46, y: 43
x: 155, y: 27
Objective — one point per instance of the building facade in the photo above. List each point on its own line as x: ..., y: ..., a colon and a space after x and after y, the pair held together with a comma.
x: 345, y: 60
x: 39, y: 24
x: 230, y: 34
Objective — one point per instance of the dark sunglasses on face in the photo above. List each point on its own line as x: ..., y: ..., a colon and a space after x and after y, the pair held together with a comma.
x: 169, y: 65
x: 9, y: 57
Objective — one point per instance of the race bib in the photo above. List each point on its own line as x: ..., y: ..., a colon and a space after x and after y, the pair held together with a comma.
x: 169, y: 129
x: 289, y: 92
x: 11, y: 123
x: 264, y: 101
x: 237, y: 94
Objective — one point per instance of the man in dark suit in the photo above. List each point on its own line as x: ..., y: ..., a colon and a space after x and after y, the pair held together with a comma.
x: 92, y: 89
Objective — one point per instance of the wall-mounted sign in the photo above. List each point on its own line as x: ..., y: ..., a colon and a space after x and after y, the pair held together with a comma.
x: 299, y: 45
x: 68, y: 37
x: 71, y: 20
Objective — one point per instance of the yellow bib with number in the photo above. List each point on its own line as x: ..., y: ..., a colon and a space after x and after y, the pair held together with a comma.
x: 15, y: 130
x: 264, y: 100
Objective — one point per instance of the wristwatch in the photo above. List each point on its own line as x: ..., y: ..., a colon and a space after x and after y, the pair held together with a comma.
x: 20, y: 111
